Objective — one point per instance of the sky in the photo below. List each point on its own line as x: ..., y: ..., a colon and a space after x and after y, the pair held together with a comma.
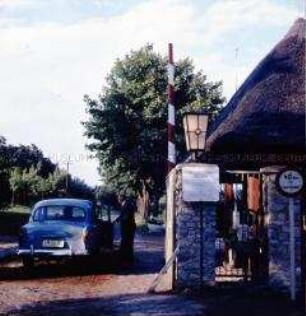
x: 53, y: 52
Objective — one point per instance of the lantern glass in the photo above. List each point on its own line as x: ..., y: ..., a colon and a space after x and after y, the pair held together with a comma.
x: 195, y: 126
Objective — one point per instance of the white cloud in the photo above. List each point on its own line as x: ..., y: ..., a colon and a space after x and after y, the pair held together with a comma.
x: 228, y: 16
x: 46, y: 68
x: 15, y: 3
x: 246, y: 25
x: 101, y: 3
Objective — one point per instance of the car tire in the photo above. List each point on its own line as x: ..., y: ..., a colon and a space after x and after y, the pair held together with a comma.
x: 28, y: 263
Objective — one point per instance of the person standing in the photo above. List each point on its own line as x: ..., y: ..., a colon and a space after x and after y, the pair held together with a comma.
x: 128, y: 228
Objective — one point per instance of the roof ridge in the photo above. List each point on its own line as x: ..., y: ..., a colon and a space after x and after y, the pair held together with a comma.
x: 283, y: 63
x: 297, y: 29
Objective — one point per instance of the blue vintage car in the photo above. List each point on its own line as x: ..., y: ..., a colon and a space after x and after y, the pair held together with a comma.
x: 60, y: 228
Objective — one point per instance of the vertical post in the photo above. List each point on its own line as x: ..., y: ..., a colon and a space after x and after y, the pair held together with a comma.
x: 174, y: 241
x: 109, y: 218
x: 303, y: 247
x: 171, y: 138
x: 292, y: 250
x: 201, y: 249
x: 171, y: 111
x: 236, y: 75
x: 67, y: 175
x: 170, y: 240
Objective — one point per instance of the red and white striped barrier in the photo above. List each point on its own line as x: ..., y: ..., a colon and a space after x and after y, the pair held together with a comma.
x: 171, y: 111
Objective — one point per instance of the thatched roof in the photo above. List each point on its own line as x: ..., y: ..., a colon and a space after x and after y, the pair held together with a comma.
x: 267, y: 113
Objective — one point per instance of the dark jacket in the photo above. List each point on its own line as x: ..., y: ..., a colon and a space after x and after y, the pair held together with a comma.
x: 127, y: 215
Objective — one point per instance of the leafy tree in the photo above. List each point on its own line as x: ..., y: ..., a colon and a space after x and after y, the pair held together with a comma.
x: 5, y: 194
x: 15, y: 182
x: 79, y: 189
x: 106, y: 200
x: 58, y: 182
x: 44, y: 187
x: 24, y: 158
x: 28, y: 187
x: 24, y: 184
x: 27, y: 176
x: 127, y: 124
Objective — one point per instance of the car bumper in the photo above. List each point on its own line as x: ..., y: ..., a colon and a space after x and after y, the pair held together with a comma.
x: 44, y: 252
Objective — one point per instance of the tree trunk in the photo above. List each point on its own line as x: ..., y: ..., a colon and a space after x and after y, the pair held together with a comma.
x: 109, y: 215
x: 13, y: 197
x: 143, y: 203
x: 155, y: 205
x: 16, y: 197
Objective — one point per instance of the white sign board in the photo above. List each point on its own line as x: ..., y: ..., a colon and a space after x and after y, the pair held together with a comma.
x: 200, y: 183
x: 290, y: 182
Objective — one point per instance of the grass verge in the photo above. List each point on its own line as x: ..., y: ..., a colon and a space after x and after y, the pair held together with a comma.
x: 11, y: 219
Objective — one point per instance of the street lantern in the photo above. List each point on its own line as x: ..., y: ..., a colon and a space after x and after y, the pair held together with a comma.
x: 195, y: 127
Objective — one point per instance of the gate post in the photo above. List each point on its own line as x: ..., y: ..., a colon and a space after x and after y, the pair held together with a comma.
x: 170, y: 240
x: 195, y: 231
x: 280, y: 274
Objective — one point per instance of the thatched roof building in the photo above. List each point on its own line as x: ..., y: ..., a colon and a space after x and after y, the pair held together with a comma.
x: 267, y: 113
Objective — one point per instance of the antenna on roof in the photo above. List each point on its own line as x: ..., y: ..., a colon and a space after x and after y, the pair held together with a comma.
x: 236, y: 75
x: 301, y: 4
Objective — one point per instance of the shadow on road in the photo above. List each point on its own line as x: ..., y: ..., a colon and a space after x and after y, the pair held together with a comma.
x: 163, y: 305
x: 148, y: 253
x: 146, y: 263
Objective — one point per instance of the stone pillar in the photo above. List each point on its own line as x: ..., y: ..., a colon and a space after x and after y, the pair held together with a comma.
x: 195, y: 240
x: 277, y: 212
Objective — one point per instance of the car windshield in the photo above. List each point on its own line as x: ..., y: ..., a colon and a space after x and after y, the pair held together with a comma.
x: 60, y: 213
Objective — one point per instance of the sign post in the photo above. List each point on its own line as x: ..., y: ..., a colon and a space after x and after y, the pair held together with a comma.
x: 290, y: 183
x: 292, y: 251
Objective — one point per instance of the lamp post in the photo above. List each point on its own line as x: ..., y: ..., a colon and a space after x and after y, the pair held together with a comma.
x: 195, y: 128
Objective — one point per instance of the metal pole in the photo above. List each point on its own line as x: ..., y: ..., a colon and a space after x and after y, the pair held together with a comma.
x: 292, y: 251
x: 236, y: 75
x: 201, y: 249
x: 302, y: 249
x: 171, y: 111
x: 67, y: 176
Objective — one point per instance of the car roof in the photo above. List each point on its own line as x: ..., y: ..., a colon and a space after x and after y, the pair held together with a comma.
x: 63, y: 202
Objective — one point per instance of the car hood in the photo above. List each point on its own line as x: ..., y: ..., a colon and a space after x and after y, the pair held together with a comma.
x: 54, y: 229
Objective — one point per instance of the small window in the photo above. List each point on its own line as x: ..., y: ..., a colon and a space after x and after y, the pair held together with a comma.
x: 55, y: 213
x: 60, y: 213
x: 39, y: 215
x: 78, y: 214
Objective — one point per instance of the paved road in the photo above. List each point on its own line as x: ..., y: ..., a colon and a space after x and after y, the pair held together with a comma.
x: 92, y: 288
